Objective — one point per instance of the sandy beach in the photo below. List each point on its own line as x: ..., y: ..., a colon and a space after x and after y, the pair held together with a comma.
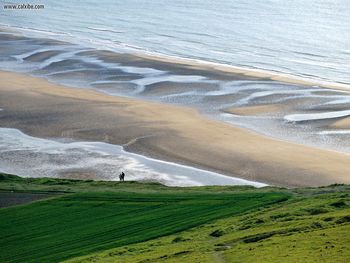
x: 294, y: 108
x: 167, y: 132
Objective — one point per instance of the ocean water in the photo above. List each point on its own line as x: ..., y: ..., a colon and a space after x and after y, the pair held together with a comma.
x: 304, y: 38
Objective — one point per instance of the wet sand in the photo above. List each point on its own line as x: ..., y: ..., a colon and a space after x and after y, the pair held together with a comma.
x: 166, y: 132
x: 343, y: 123
x: 254, y: 110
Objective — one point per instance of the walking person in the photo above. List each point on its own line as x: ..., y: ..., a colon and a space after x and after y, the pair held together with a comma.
x: 121, y: 177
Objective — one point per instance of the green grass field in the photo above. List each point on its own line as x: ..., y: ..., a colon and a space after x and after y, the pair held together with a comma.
x: 86, y: 221
x: 313, y: 226
x: 81, y: 223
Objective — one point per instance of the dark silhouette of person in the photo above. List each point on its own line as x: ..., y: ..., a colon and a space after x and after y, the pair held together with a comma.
x: 121, y: 176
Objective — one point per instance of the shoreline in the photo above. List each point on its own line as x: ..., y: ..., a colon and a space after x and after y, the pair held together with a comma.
x: 201, y: 64
x: 166, y: 132
x: 244, y: 71
x: 93, y: 162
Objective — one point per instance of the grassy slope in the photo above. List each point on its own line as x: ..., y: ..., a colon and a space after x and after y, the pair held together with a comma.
x: 314, y: 226
x: 100, y: 216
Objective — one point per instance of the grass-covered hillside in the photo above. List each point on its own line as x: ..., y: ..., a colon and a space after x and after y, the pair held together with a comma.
x: 87, y: 221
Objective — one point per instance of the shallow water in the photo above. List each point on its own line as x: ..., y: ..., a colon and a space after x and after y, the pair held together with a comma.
x: 28, y: 156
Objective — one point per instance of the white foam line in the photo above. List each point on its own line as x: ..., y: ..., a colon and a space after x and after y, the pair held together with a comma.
x: 143, y: 71
x: 342, y: 100
x: 22, y: 56
x: 316, y: 116
x: 141, y: 83
x: 272, y: 86
x: 108, y: 82
x: 66, y: 71
x: 266, y: 93
x: 127, y: 69
x: 58, y: 58
x: 334, y: 132
x: 105, y: 29
x: 29, y: 156
x: 182, y: 94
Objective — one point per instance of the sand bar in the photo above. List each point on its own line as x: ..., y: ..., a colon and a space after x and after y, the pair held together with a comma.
x: 255, y: 110
x: 167, y: 132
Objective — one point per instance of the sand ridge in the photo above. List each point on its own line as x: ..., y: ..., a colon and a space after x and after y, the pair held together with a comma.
x: 255, y: 109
